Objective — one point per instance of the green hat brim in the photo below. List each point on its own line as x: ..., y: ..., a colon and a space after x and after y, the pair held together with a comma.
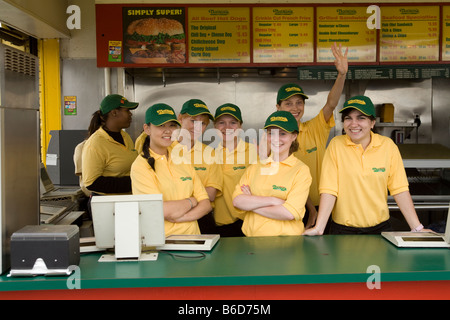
x: 165, y: 121
x: 278, y: 126
x: 230, y: 114
x: 359, y: 109
x: 200, y: 113
x: 294, y: 94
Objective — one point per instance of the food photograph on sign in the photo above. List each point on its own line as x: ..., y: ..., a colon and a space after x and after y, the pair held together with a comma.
x: 154, y: 35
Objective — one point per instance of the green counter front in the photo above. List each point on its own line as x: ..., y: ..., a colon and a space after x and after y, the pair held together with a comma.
x: 325, y: 267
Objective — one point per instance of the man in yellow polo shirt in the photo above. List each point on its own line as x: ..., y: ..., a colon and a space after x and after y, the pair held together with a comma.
x: 313, y: 134
x: 358, y: 170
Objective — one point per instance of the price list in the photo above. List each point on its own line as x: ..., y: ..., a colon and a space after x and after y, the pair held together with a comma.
x: 446, y: 33
x: 219, y: 35
x: 346, y: 26
x: 283, y: 34
x: 409, y: 34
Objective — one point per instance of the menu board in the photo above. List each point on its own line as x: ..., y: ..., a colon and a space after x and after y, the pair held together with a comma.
x: 283, y: 34
x: 219, y: 35
x: 409, y: 34
x: 168, y: 35
x: 446, y: 33
x: 346, y: 26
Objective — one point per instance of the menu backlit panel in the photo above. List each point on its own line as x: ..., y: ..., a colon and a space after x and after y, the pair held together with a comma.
x: 283, y: 34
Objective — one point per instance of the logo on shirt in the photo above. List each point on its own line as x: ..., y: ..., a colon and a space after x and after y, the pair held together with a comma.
x: 274, y: 187
x: 379, y: 169
x: 239, y: 168
x: 200, y: 168
x: 185, y: 178
x: 311, y: 150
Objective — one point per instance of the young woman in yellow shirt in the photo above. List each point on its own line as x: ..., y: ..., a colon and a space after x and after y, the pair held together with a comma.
x: 358, y: 170
x: 272, y: 194
x: 185, y: 198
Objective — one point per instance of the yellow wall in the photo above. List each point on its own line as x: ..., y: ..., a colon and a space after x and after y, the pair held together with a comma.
x: 50, y: 90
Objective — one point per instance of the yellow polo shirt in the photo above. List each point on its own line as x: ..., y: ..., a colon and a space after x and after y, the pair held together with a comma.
x: 312, y: 138
x: 233, y: 164
x: 289, y: 180
x: 103, y: 156
x: 139, y: 142
x: 202, y: 159
x: 173, y: 181
x: 360, y: 179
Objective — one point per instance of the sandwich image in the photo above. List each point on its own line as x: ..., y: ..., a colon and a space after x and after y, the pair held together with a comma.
x: 156, y: 41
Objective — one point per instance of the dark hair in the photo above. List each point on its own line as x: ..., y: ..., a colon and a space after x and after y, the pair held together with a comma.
x: 98, y: 120
x: 345, y: 113
x: 146, y: 153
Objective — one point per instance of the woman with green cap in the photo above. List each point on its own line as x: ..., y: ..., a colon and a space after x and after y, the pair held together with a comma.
x: 109, y: 151
x: 273, y: 193
x: 358, y: 169
x: 234, y: 155
x: 154, y: 172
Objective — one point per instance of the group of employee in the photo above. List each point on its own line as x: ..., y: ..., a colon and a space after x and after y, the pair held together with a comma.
x: 230, y: 190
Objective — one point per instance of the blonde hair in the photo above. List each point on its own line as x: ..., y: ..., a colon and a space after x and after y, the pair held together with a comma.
x: 185, y: 115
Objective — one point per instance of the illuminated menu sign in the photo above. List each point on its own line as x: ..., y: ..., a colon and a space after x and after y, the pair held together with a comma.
x: 446, y: 33
x: 253, y: 35
x: 409, y: 34
x: 219, y: 35
x: 283, y: 34
x: 346, y: 26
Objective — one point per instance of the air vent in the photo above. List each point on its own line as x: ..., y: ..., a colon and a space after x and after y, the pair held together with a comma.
x: 19, y: 62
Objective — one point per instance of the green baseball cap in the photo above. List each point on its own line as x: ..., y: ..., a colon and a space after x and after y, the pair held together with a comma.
x: 283, y: 120
x: 230, y: 109
x: 289, y: 90
x: 159, y: 114
x: 194, y: 107
x: 114, y: 101
x: 361, y: 103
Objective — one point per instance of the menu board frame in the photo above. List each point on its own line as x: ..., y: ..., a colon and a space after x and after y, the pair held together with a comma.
x: 113, y: 47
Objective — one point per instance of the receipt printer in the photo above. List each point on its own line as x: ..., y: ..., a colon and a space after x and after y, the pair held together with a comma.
x: 45, y: 250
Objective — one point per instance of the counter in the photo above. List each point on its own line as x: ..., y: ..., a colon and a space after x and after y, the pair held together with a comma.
x: 257, y: 268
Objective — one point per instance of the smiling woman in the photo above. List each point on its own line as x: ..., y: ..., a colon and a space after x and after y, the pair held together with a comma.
x: 272, y: 194
x: 358, y: 170
x: 154, y: 172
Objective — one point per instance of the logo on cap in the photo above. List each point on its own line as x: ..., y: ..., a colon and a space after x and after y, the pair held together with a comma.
x: 199, y: 105
x: 357, y: 101
x: 166, y: 111
x: 283, y: 119
x: 228, y: 108
x: 293, y: 89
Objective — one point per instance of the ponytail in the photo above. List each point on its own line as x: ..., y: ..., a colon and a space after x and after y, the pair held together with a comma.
x: 146, y: 153
x: 97, y: 121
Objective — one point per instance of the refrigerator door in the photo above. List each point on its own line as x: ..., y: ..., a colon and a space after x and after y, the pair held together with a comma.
x: 19, y: 146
